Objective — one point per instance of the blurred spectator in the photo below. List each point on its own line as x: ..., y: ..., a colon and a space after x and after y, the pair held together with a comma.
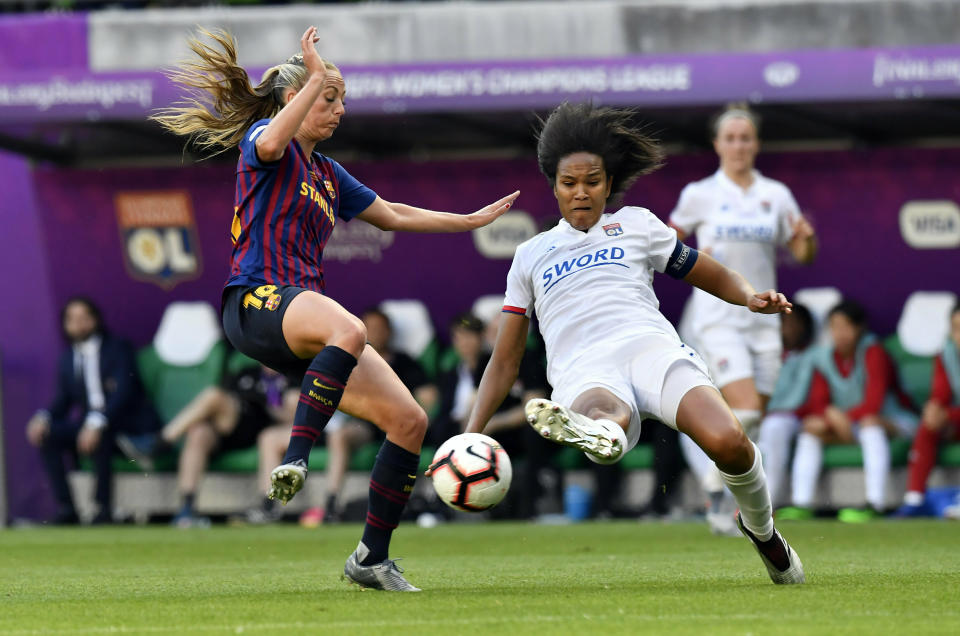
x: 740, y: 217
x: 853, y: 396
x: 458, y: 386
x: 941, y: 420
x: 782, y: 422
x: 98, y: 396
x: 345, y: 434
x: 225, y: 418
x: 473, y: 343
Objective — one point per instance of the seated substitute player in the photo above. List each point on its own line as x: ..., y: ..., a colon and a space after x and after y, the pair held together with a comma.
x: 940, y: 421
x: 854, y: 396
x: 288, y: 199
x: 222, y: 418
x: 612, y: 358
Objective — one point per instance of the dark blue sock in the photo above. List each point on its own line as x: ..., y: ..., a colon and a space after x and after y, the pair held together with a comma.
x: 320, y: 394
x: 391, y: 483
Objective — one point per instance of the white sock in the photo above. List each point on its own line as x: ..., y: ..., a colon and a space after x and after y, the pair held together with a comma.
x: 876, y: 464
x: 616, y: 432
x: 776, y: 433
x: 749, y: 420
x: 702, y: 467
x: 807, y: 460
x: 750, y: 491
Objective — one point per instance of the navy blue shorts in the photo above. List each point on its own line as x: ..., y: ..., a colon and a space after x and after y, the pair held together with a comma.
x: 253, y: 323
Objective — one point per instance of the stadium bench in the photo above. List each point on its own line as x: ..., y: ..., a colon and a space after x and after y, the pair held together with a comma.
x: 230, y: 482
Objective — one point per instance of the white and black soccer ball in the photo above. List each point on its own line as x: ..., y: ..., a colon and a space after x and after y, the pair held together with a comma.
x: 471, y: 472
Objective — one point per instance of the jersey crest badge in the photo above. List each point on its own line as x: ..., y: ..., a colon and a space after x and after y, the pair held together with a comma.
x: 766, y: 206
x: 273, y: 302
x: 613, y: 229
x: 329, y: 186
x: 159, y: 236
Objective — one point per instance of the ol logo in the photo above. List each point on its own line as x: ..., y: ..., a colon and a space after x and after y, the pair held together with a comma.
x: 613, y: 229
x: 159, y: 236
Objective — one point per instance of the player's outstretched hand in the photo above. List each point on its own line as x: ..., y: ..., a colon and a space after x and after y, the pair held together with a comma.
x: 769, y: 302
x: 312, y: 59
x: 490, y: 213
x: 802, y: 228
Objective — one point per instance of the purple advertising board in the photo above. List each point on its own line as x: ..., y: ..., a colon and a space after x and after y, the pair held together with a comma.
x: 137, y: 239
x: 928, y: 72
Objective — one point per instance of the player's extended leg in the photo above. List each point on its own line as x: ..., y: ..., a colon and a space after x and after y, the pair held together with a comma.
x: 316, y: 327
x: 704, y: 416
x: 595, y: 423
x: 375, y: 394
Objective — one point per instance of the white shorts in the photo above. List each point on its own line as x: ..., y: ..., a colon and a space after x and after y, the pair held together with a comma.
x: 650, y: 375
x: 735, y: 354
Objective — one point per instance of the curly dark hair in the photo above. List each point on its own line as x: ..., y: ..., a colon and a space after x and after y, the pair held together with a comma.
x: 610, y: 133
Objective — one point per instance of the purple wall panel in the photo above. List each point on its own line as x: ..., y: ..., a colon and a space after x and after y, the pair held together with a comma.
x: 29, y: 339
x: 85, y: 251
x: 43, y: 41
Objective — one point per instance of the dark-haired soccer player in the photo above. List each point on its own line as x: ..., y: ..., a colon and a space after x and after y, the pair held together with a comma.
x: 612, y: 357
x: 288, y: 200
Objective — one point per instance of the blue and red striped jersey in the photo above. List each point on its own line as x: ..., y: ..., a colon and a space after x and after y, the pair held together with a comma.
x: 284, y: 213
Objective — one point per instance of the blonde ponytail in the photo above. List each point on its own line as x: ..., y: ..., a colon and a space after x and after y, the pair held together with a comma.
x: 221, y: 103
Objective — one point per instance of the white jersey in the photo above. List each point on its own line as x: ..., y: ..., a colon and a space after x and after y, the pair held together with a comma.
x: 742, y: 228
x: 593, y: 290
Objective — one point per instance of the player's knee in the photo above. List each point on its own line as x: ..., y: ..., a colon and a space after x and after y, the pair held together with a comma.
x: 816, y: 426
x: 201, y: 435
x: 932, y: 425
x: 726, y: 445
x: 409, y: 423
x: 352, y: 336
x: 733, y: 451
x: 870, y: 421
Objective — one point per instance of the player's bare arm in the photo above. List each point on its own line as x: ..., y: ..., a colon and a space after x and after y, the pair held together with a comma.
x: 803, y: 243
x: 400, y: 217
x: 715, y: 278
x: 278, y: 133
x: 501, y: 372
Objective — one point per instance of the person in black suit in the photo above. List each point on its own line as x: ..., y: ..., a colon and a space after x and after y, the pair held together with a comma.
x: 98, y: 396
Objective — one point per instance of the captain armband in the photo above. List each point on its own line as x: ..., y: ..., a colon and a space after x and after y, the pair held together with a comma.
x: 681, y: 261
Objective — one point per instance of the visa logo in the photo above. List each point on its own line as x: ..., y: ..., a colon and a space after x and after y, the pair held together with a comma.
x: 605, y: 256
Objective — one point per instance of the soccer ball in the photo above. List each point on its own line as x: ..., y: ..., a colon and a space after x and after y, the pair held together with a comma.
x: 471, y: 472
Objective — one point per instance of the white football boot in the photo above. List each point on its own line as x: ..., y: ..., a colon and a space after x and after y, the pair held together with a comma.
x: 286, y: 480
x: 558, y: 423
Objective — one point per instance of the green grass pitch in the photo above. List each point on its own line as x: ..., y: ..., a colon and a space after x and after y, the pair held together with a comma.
x: 484, y: 578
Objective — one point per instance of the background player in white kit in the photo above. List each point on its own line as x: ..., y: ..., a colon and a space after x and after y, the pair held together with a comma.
x: 612, y: 356
x: 740, y: 218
